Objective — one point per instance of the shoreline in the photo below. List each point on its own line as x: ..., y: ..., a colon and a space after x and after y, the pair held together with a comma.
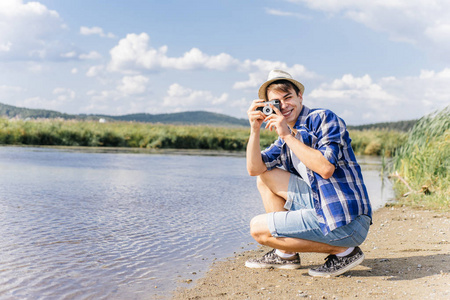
x: 136, y: 150
x: 407, y: 256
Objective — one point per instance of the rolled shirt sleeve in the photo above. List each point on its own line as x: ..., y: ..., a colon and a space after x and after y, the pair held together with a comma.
x: 328, y: 137
x: 272, y: 155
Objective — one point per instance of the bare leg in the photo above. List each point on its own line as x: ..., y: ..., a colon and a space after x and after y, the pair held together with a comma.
x: 260, y: 232
x: 273, y: 187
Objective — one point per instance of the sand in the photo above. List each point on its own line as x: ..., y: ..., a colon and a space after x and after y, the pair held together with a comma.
x: 407, y: 257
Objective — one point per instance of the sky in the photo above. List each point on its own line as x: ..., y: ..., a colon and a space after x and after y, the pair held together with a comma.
x: 368, y: 61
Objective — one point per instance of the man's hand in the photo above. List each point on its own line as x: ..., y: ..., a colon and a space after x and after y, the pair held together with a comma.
x: 255, y: 164
x: 256, y: 117
x: 278, y: 123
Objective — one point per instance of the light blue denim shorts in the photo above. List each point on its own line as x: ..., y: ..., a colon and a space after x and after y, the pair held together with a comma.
x: 300, y: 221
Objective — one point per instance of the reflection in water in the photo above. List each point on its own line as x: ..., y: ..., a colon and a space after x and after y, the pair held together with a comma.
x: 122, y: 225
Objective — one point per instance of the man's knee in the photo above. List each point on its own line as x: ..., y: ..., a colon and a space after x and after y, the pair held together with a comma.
x: 262, y: 187
x: 259, y: 229
x: 275, y: 181
x: 266, y: 181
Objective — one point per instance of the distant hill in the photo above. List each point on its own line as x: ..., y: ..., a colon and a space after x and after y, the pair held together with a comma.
x: 399, y: 125
x: 23, y: 113
x: 191, y: 118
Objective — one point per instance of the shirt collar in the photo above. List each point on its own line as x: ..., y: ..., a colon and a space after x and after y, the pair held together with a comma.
x: 302, y: 117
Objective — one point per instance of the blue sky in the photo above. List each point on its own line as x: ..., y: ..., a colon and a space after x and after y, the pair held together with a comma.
x: 368, y: 61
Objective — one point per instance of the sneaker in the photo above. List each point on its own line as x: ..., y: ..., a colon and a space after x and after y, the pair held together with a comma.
x: 336, y: 265
x: 271, y: 260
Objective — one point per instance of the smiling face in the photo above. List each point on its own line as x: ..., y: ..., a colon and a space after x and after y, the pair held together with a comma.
x: 291, y: 101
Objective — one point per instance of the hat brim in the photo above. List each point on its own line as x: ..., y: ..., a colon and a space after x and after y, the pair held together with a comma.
x: 263, y: 88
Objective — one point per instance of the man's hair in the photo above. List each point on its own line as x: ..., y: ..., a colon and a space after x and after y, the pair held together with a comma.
x: 282, y: 85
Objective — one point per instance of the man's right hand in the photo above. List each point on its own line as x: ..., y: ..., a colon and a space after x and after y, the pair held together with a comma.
x: 256, y: 117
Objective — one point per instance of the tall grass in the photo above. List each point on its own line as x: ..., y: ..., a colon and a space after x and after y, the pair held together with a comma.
x: 423, y: 163
x: 381, y: 142
x: 124, y: 134
x: 158, y: 136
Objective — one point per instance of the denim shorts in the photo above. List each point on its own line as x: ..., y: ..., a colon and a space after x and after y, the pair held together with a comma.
x: 300, y: 221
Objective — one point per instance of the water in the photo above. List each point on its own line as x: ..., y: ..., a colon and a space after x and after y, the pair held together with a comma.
x: 82, y: 225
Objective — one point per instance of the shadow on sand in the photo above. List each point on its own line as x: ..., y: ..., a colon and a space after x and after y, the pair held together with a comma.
x: 403, y: 268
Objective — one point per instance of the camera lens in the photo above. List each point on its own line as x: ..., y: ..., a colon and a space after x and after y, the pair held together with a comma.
x: 267, y: 110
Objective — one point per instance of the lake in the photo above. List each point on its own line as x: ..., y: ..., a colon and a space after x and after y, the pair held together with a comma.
x: 84, y: 224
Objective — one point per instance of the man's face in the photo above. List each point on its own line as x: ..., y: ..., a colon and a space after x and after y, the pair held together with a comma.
x: 290, y: 104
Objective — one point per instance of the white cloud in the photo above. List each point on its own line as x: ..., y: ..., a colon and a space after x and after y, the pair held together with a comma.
x: 61, y: 98
x: 5, y: 47
x: 135, y: 53
x: 350, y: 90
x: 105, y: 96
x: 196, y: 59
x: 90, y: 56
x: 421, y: 22
x: 360, y: 100
x: 71, y: 54
x: 36, y: 68
x: 133, y: 85
x: 276, y: 12
x: 95, y: 31
x: 259, y: 69
x: 29, y: 30
x: 64, y: 94
x: 253, y: 81
x: 95, y: 71
x: 181, y: 98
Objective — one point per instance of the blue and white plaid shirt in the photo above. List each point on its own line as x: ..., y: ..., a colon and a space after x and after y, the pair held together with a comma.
x: 341, y: 198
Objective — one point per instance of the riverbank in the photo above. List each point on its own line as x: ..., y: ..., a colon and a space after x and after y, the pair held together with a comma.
x: 55, y: 132
x: 407, y: 257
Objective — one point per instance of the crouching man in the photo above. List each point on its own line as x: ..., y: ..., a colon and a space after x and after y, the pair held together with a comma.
x: 310, y: 183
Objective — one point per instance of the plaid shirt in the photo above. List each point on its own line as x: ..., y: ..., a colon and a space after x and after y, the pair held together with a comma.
x: 341, y: 198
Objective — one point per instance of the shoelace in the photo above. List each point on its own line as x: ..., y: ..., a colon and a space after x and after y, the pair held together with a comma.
x: 270, y: 254
x: 330, y: 260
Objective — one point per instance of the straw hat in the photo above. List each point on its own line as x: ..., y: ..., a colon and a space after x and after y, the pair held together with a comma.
x: 275, y: 75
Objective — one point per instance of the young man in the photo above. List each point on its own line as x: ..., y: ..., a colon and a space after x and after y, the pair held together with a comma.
x: 310, y: 183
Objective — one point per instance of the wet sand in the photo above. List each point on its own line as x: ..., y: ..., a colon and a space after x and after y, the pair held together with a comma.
x: 407, y: 257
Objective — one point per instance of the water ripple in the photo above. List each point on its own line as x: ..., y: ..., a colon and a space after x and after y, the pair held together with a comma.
x: 87, y: 231
x: 113, y: 226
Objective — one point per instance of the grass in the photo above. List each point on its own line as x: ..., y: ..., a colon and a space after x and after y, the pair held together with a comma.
x: 158, y: 136
x: 381, y: 142
x: 124, y: 134
x: 421, y: 165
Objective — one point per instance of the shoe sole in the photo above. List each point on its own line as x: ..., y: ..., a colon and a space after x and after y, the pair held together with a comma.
x: 339, y: 272
x: 271, y: 266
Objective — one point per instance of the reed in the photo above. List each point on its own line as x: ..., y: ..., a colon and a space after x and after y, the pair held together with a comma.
x: 381, y: 142
x: 421, y: 165
x: 159, y: 136
x: 122, y: 134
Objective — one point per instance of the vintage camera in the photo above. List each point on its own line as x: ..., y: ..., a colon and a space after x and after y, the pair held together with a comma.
x: 267, y: 110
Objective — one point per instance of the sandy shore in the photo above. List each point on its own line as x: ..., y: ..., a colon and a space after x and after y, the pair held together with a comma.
x: 407, y: 257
